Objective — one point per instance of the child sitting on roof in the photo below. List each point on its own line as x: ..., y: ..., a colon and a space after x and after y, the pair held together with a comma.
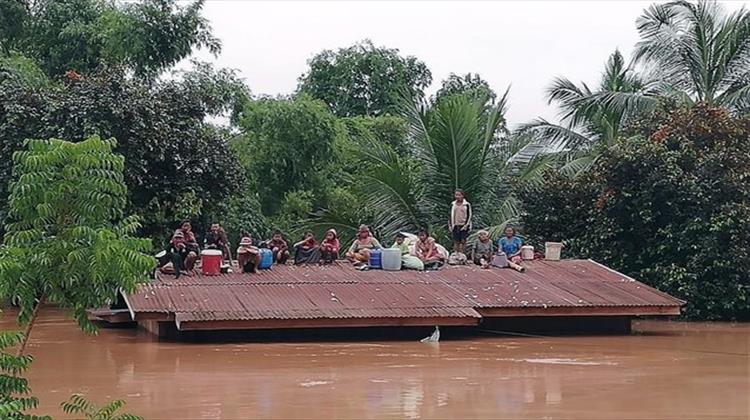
x: 329, y: 248
x: 408, y: 261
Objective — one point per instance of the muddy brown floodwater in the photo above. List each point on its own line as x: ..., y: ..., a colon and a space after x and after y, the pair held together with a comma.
x: 664, y: 370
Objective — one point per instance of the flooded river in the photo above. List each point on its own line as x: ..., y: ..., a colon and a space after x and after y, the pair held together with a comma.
x: 664, y: 370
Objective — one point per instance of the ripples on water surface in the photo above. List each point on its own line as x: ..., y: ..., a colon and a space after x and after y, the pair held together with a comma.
x: 664, y: 370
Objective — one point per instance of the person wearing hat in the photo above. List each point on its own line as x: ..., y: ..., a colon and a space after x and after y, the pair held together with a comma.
x: 177, y: 252
x: 248, y: 255
x: 359, y: 252
x: 483, y: 249
x: 329, y: 248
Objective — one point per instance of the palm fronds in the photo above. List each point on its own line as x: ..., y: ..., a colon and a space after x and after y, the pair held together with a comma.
x: 698, y: 49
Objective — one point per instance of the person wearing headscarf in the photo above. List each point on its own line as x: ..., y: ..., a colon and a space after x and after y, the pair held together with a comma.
x: 329, y: 248
x: 482, y: 250
x: 359, y: 252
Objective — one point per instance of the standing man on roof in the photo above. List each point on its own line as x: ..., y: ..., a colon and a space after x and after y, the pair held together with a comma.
x: 460, y: 221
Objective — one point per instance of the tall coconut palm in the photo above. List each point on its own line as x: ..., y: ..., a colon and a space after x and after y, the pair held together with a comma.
x: 698, y: 52
x: 586, y: 117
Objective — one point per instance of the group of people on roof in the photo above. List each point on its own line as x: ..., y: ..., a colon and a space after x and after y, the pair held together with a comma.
x: 419, y: 252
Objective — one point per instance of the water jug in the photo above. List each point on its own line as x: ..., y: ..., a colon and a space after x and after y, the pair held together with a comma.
x: 266, y: 258
x: 376, y: 258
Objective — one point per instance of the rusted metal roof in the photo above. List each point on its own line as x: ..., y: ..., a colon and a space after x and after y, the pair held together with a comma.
x: 339, y: 292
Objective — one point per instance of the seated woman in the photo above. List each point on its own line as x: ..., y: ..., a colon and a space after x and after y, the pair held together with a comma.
x: 482, y: 250
x: 191, y: 244
x: 511, y: 245
x: 408, y: 261
x: 176, y: 253
x: 248, y: 255
x: 216, y: 238
x: 359, y: 252
x: 427, y: 251
x: 279, y: 247
x: 307, y: 251
x: 329, y: 248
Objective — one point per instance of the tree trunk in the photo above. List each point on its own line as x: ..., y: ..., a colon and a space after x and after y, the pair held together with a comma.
x: 30, y: 325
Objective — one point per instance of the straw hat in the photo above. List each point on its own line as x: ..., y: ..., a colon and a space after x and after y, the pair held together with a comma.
x: 178, y: 234
x: 246, y: 241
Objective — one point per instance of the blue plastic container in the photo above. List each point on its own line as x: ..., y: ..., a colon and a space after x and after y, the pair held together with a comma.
x: 376, y: 259
x: 266, y: 258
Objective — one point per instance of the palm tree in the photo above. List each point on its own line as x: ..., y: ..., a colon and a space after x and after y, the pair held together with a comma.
x: 590, y: 118
x: 699, y: 53
x: 460, y: 142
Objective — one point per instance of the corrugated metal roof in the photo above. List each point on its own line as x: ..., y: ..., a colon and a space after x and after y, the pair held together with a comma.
x: 339, y: 291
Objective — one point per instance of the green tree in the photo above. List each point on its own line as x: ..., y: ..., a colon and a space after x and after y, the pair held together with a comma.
x: 387, y: 129
x: 469, y: 84
x: 286, y: 145
x: 175, y: 161
x: 13, y: 15
x: 147, y: 36
x: 457, y: 145
x: 363, y: 79
x: 68, y: 241
x: 590, y: 118
x: 698, y: 52
x: 671, y: 209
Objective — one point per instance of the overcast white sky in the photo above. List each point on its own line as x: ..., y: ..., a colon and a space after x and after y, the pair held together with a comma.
x: 524, y: 44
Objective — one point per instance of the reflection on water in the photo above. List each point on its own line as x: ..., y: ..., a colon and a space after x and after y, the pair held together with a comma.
x: 664, y: 370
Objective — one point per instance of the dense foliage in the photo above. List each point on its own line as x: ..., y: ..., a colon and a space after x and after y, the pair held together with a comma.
x: 363, y: 79
x: 671, y: 209
x: 68, y: 239
x: 176, y: 165
x: 15, y: 398
x: 80, y: 35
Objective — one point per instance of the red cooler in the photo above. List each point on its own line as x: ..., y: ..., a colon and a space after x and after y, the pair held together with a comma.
x: 211, y: 262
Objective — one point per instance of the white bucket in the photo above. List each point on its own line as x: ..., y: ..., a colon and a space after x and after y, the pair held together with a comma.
x: 391, y: 259
x: 527, y: 252
x: 552, y: 250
